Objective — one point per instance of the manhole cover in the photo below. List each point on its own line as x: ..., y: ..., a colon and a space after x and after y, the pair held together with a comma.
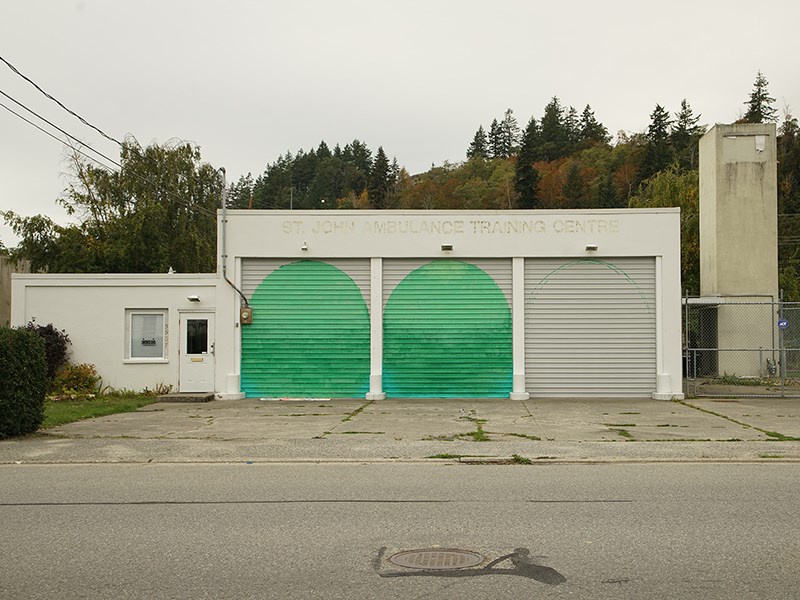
x: 436, y: 558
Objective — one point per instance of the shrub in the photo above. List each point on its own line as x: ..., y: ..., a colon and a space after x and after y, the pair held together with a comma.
x: 55, y: 344
x: 75, y: 381
x: 23, y: 381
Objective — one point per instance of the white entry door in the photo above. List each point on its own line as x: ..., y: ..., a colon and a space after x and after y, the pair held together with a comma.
x: 197, y: 352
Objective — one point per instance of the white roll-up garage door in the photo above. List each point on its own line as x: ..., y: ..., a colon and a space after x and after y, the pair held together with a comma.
x: 590, y: 327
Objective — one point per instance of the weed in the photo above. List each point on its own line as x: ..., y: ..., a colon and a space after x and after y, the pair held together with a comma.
x: 520, y: 460
x: 161, y: 389
x: 357, y: 411
x: 624, y: 433
x: 620, y: 424
x: 773, y: 435
x: 361, y: 432
x: 779, y: 436
x: 445, y: 455
x: 771, y: 456
x: 305, y: 415
x: 527, y: 437
x: 630, y: 413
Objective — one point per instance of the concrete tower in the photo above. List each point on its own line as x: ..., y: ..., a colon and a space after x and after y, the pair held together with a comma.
x: 739, y: 239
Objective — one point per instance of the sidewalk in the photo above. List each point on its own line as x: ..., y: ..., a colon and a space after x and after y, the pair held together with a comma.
x: 253, y: 430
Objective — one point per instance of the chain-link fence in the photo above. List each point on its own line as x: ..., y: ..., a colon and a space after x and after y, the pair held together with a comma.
x: 741, y: 347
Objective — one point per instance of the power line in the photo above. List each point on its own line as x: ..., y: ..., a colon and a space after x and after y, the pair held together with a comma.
x: 53, y: 125
x: 73, y: 113
x: 93, y: 159
x: 56, y: 138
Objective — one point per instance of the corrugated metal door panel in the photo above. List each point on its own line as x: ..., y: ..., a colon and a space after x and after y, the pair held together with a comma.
x: 590, y: 327
x: 310, y: 334
x: 254, y: 270
x: 447, y: 328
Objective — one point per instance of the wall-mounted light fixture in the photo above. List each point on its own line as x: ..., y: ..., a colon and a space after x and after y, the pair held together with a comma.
x: 304, y: 247
x: 591, y: 247
x: 447, y: 247
x: 193, y: 298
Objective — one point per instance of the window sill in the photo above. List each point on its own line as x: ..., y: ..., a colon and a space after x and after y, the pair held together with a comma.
x: 145, y: 361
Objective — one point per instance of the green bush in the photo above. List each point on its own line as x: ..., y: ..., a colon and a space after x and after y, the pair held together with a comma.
x: 55, y: 346
x: 23, y: 381
x: 75, y: 381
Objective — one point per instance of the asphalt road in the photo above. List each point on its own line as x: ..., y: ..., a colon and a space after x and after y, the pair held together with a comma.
x: 327, y: 531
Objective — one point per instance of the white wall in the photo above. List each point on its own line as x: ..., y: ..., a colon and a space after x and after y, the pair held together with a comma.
x: 91, y: 309
x: 473, y: 234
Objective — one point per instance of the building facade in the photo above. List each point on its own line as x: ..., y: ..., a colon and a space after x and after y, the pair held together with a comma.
x: 411, y: 304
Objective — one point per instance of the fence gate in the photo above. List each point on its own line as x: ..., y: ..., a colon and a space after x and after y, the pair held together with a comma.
x: 739, y: 347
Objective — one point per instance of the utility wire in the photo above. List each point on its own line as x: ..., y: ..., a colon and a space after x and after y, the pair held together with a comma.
x: 56, y: 138
x: 73, y: 113
x: 93, y: 159
x: 53, y: 125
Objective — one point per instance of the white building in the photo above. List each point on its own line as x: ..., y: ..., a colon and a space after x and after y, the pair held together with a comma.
x: 377, y: 304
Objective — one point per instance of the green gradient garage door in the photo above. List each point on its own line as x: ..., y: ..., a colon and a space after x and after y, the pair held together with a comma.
x: 447, y: 329
x: 310, y: 330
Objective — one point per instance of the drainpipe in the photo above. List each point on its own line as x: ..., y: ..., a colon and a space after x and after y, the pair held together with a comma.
x: 224, y: 224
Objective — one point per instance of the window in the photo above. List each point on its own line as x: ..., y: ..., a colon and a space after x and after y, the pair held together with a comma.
x: 146, y: 335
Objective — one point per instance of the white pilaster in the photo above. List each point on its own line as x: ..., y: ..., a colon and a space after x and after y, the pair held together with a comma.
x: 376, y: 330
x: 518, y: 329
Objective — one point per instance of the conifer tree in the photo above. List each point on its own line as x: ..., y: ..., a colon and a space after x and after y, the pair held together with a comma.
x: 479, y: 147
x: 657, y: 151
x: 380, y: 179
x: 526, y: 177
x: 759, y: 105
x: 574, y: 188
x: 573, y: 129
x: 554, y: 134
x: 590, y: 129
x: 495, y: 143
x: 509, y: 134
x: 685, y: 136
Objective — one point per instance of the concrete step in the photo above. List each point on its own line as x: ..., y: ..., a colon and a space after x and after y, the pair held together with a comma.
x: 187, y: 397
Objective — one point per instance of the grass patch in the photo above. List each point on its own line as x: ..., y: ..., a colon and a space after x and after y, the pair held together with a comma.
x: 620, y: 424
x: 62, y: 412
x: 446, y: 455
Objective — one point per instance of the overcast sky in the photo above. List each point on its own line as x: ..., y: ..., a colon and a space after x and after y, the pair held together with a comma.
x: 249, y: 80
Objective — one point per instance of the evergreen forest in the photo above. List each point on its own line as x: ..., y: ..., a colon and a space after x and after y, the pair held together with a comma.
x: 563, y: 159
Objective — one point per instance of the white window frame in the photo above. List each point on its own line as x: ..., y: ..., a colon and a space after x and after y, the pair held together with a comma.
x: 129, y: 314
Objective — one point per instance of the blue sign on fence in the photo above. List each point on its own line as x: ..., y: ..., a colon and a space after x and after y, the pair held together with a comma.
x: 783, y: 324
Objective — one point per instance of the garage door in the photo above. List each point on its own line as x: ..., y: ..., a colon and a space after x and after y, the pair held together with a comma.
x: 447, y: 328
x: 590, y: 327
x: 310, y: 335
